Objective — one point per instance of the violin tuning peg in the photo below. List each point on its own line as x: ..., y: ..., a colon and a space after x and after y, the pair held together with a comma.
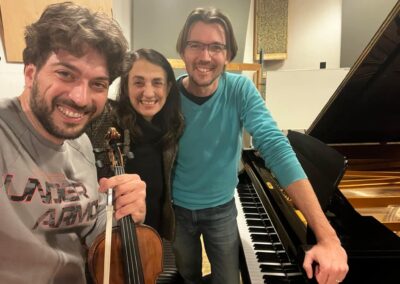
x: 98, y: 150
x: 130, y: 155
x: 99, y: 164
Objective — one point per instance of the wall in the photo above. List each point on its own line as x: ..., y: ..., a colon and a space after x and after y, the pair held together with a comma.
x: 122, y: 11
x: 296, y: 97
x: 157, y: 23
x: 296, y: 89
x: 11, y: 74
x: 360, y: 20
x: 314, y: 31
x: 11, y: 77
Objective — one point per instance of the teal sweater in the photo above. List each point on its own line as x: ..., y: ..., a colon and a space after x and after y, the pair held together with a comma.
x: 209, y: 151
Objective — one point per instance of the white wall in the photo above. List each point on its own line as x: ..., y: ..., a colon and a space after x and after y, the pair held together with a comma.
x: 314, y: 35
x: 11, y: 77
x: 11, y: 74
x: 360, y: 21
x: 122, y: 10
x: 296, y: 97
x: 296, y: 89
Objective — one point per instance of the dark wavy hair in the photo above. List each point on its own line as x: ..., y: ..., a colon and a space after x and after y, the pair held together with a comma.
x: 74, y: 28
x: 208, y: 16
x: 169, y: 118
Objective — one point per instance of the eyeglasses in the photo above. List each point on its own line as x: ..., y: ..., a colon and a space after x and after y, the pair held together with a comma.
x: 198, y: 47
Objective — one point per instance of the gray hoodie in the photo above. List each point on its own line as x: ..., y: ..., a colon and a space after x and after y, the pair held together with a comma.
x: 49, y: 203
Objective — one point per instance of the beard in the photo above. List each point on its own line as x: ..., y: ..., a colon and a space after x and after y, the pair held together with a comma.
x: 201, y: 83
x: 197, y: 83
x: 43, y: 113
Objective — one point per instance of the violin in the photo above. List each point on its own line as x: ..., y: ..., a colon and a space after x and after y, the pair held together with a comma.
x: 136, y: 254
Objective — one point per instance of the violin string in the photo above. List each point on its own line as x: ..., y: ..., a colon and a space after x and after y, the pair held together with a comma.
x: 128, y: 255
x: 128, y: 232
x: 126, y: 244
x: 134, y: 259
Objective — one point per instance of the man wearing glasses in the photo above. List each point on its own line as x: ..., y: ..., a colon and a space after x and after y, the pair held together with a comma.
x: 216, y: 106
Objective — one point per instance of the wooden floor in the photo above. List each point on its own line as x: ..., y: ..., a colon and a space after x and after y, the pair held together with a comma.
x: 206, y: 263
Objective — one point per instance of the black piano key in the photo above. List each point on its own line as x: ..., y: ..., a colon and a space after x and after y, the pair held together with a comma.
x: 268, y: 257
x: 249, y: 201
x: 271, y: 269
x: 292, y: 270
x: 276, y: 247
x: 283, y: 257
x: 246, y: 193
x: 264, y: 216
x: 261, y: 238
x: 268, y: 238
x: 246, y: 199
x: 264, y: 247
x: 258, y: 230
x: 270, y: 230
x: 274, y: 238
x: 297, y: 277
x: 273, y: 279
x: 255, y: 216
x: 255, y: 223
x: 250, y: 210
x: 252, y: 216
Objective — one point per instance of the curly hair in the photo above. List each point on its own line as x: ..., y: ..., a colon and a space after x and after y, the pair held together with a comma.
x: 74, y: 28
x: 170, y: 117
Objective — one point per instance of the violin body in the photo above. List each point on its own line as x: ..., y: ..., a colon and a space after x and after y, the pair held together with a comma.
x: 132, y: 254
x: 150, y: 250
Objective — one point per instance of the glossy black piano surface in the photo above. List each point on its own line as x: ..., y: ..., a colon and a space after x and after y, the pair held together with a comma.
x: 361, y: 122
x: 365, y: 107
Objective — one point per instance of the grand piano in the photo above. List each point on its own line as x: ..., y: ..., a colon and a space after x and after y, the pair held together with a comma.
x: 350, y: 151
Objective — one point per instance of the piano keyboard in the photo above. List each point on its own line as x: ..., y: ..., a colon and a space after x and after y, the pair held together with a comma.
x: 265, y: 256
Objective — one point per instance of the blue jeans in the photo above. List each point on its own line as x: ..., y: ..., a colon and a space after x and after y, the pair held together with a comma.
x: 221, y: 240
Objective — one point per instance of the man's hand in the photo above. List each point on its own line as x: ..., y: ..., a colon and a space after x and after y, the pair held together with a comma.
x: 129, y: 195
x: 328, y: 254
x: 331, y: 260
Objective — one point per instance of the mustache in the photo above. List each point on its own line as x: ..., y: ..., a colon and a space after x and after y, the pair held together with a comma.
x: 205, y: 64
x: 72, y: 104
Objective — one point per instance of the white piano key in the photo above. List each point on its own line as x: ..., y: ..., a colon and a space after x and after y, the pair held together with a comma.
x: 256, y: 276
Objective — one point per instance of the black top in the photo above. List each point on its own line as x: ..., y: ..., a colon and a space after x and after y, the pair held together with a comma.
x: 147, y: 163
x: 197, y: 100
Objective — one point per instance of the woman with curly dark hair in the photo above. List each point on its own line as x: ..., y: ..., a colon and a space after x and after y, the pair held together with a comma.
x: 148, y: 105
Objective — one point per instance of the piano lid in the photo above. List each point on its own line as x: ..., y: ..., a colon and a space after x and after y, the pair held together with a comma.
x: 366, y: 106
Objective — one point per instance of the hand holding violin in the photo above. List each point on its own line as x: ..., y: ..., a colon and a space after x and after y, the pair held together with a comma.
x: 129, y: 195
x: 136, y: 254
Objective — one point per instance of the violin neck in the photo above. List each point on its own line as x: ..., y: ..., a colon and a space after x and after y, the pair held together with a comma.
x: 132, y: 263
